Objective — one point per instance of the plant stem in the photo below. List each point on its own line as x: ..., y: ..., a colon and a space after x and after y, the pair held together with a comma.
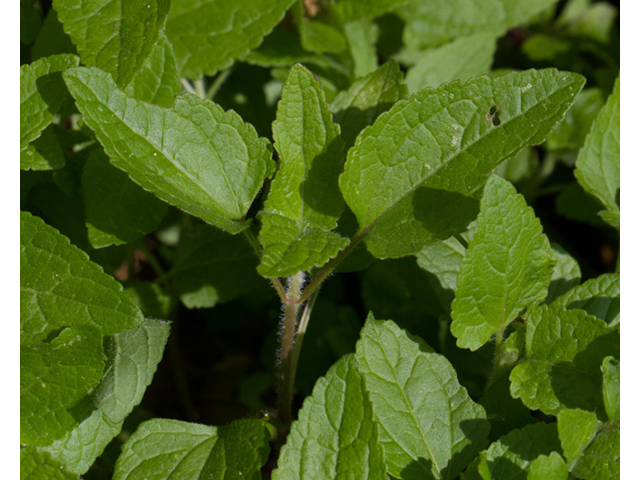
x: 153, y: 261
x: 462, y: 241
x: 187, y: 86
x: 286, y: 367
x: 200, y: 88
x: 253, y: 241
x: 218, y: 82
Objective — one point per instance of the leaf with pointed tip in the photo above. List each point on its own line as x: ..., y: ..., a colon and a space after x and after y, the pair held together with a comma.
x: 507, y: 267
x: 212, y: 267
x: 304, y: 201
x: 415, y: 175
x: 598, y: 164
x: 132, y: 359
x: 122, y: 33
x: 611, y: 387
x: 566, y: 273
x: 437, y: 21
x: 54, y: 377
x: 598, y: 296
x: 429, y: 427
x: 165, y: 449
x: 461, y: 59
x: 335, y: 431
x: 37, y: 465
x: 548, y: 467
x: 208, y: 36
x: 44, y: 153
x: 368, y: 97
x: 564, y: 352
x: 158, y: 81
x: 511, y: 456
x: 42, y: 92
x: 194, y: 156
x: 60, y: 287
x: 117, y: 210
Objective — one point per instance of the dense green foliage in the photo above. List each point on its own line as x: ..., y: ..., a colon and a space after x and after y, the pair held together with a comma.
x: 319, y: 239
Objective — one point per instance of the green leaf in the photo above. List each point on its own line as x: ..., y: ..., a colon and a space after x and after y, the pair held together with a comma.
x: 335, y: 435
x: 158, y: 82
x: 122, y: 33
x: 282, y: 48
x: 44, y: 153
x: 366, y: 99
x: 37, y: 465
x: 435, y: 22
x: 357, y: 9
x: 612, y: 218
x: 60, y: 287
x: 461, y: 59
x: 132, y: 359
x: 548, y: 467
x: 598, y: 296
x: 576, y: 429
x: 571, y: 132
x: 194, y: 156
x: 304, y: 201
x: 507, y: 268
x: 209, y: 36
x: 117, y: 210
x: 166, y: 449
x: 561, y: 370
x: 429, y: 426
x: 41, y: 94
x: 153, y: 300
x: 51, y: 39
x: 212, y: 267
x: 442, y: 260
x: 320, y: 37
x: 414, y: 176
x: 361, y: 38
x: 54, y: 377
x: 598, y: 164
x: 566, y: 273
x: 30, y: 21
x: 511, y: 456
x: 611, y: 387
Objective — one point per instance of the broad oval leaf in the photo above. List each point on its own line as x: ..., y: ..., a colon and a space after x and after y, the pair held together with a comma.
x: 166, y: 449
x: 428, y: 425
x: 414, y: 175
x: 208, y: 36
x: 598, y: 164
x: 564, y: 352
x: 194, y: 156
x: 122, y: 33
x: 132, y: 359
x: 335, y: 435
x: 304, y: 201
x: 41, y: 94
x: 60, y: 287
x: 507, y: 267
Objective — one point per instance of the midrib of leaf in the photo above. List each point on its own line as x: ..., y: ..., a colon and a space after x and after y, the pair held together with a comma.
x: 160, y: 150
x: 411, y: 410
x: 364, y: 230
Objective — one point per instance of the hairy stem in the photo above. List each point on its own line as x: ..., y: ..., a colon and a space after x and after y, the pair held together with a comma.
x: 253, y: 241
x: 286, y: 366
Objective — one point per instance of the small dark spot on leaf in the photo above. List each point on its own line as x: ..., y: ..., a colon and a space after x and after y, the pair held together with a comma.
x: 493, y: 116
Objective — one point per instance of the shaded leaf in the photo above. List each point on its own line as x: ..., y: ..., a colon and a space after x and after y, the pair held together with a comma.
x: 414, y: 176
x: 42, y: 92
x: 461, y: 59
x: 564, y: 353
x: 117, y: 210
x: 209, y: 36
x: 566, y: 273
x: 194, y: 156
x: 335, y: 435
x: 598, y: 296
x: 164, y: 449
x: 44, y: 153
x: 429, y: 426
x: 507, y: 267
x: 122, y: 33
x: 51, y: 39
x: 611, y: 387
x: 571, y: 132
